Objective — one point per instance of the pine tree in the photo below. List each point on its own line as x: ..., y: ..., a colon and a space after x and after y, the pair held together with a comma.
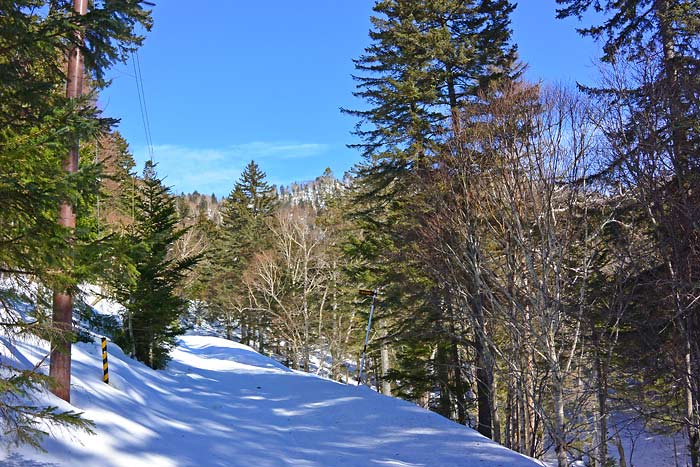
x: 250, y: 202
x: 153, y: 307
x: 243, y: 233
x: 426, y: 60
x: 38, y: 127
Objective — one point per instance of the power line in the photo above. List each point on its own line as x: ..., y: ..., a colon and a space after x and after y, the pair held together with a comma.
x: 142, y: 103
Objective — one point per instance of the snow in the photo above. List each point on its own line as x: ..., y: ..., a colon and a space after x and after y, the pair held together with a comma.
x: 96, y: 298
x: 219, y: 403
x: 646, y: 448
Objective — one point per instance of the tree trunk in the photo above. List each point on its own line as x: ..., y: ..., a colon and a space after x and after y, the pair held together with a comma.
x: 691, y: 413
x: 508, y: 428
x: 445, y: 405
x: 682, y: 225
x: 460, y: 386
x: 386, y: 366
x: 558, y: 432
x: 62, y: 318
x: 496, y: 418
x: 523, y: 419
x: 261, y: 342
x: 601, y: 381
x: 244, y: 333
x: 484, y: 383
x: 620, y: 450
x: 131, y: 335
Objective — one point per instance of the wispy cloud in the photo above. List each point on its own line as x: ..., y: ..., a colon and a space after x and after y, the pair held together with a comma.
x: 215, y: 170
x: 257, y: 150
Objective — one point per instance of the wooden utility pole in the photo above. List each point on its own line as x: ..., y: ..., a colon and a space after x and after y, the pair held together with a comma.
x: 63, y: 299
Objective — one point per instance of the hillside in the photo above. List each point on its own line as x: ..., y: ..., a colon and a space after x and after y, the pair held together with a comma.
x: 314, y: 193
x: 219, y: 403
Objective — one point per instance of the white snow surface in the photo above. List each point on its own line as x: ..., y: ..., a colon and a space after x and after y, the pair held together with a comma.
x: 219, y: 403
x: 95, y: 297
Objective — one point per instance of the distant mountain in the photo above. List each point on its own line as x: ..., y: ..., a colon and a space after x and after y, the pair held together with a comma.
x: 313, y: 193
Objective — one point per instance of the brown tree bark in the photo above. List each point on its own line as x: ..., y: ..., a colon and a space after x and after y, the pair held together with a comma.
x: 60, y: 368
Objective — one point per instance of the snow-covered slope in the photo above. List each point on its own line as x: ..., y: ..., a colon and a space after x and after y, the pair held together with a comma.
x: 220, y: 403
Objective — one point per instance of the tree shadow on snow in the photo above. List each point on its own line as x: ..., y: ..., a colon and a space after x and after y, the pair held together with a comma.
x: 17, y: 460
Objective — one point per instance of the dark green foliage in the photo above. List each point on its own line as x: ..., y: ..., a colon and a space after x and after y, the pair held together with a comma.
x: 38, y: 126
x: 153, y: 307
x: 20, y: 420
x: 245, y: 211
x: 427, y: 59
x: 244, y: 231
x: 632, y: 27
x: 655, y: 49
x: 35, y: 36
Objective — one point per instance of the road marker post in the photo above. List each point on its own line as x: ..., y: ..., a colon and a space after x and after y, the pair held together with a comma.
x: 373, y: 294
x: 105, y: 365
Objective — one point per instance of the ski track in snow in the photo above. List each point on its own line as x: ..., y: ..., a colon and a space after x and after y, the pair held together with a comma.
x: 220, y: 403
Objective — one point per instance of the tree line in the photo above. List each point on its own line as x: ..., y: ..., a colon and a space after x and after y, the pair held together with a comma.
x: 535, y: 248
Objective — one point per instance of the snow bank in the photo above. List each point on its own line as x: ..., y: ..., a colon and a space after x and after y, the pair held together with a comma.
x: 220, y: 403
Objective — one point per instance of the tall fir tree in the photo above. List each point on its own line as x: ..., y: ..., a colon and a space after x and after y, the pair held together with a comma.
x: 38, y: 127
x: 243, y: 233
x: 153, y: 306
x: 426, y: 60
x: 245, y: 211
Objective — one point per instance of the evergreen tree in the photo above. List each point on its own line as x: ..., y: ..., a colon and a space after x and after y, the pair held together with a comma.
x: 152, y: 305
x: 38, y: 127
x: 243, y: 233
x: 251, y: 201
x: 426, y: 60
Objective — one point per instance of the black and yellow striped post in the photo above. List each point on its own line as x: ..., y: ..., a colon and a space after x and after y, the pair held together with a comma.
x: 105, y: 366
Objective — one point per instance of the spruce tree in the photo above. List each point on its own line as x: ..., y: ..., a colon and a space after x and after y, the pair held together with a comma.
x: 245, y: 211
x: 38, y: 126
x: 243, y: 233
x: 153, y: 306
x: 427, y: 59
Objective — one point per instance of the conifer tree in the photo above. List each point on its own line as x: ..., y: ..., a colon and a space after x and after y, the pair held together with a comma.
x: 427, y: 59
x: 243, y: 233
x: 152, y: 305
x: 38, y: 126
x: 244, y: 212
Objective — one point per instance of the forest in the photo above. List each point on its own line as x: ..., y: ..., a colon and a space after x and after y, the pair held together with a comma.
x: 533, y: 249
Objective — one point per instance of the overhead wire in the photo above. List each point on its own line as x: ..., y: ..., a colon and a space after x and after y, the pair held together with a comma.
x: 143, y: 108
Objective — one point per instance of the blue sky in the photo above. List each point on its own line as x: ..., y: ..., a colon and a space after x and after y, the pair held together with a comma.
x: 230, y: 81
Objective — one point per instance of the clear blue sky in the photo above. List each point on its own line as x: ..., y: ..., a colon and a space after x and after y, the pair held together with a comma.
x: 228, y: 81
